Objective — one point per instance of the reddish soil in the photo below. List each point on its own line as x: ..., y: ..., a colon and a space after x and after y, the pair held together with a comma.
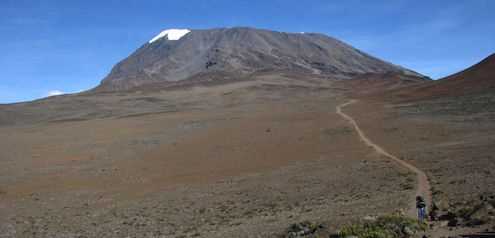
x: 231, y: 161
x: 245, y: 159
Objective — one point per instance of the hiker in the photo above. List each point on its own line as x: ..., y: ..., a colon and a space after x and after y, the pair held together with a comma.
x: 421, y: 206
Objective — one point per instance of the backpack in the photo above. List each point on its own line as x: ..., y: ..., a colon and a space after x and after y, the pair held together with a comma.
x: 421, y: 204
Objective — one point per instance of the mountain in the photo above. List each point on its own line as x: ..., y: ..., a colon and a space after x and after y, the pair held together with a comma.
x: 478, y: 78
x: 229, y: 53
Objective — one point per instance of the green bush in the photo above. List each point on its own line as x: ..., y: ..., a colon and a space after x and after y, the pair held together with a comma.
x: 392, y: 226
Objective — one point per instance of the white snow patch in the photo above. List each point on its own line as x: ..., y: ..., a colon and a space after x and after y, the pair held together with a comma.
x: 54, y: 93
x: 171, y: 34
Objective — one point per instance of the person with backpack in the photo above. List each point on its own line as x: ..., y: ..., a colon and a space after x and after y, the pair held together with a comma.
x: 421, y: 206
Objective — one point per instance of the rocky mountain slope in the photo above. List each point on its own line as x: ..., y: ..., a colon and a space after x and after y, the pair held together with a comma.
x: 229, y: 53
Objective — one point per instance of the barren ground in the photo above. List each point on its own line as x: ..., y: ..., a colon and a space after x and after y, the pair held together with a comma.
x: 240, y: 160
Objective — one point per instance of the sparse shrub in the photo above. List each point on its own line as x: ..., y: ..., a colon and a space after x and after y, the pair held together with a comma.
x: 391, y: 226
x: 303, y: 229
x: 464, y: 212
x: 365, y: 231
x: 474, y: 214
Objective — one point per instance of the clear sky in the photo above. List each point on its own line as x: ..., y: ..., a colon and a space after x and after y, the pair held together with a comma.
x: 55, y: 46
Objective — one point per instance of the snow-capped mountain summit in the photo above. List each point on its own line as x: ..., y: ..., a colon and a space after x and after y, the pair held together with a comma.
x: 171, y: 34
x: 231, y: 53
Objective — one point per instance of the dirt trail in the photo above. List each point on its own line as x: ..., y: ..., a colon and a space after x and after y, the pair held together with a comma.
x: 423, y: 186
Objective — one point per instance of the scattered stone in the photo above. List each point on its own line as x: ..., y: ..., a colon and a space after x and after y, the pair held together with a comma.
x: 370, y: 218
x: 444, y: 223
x: 447, y: 217
x: 453, y: 222
x: 302, y: 229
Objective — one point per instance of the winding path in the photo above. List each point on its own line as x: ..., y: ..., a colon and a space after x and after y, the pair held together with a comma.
x: 423, y: 187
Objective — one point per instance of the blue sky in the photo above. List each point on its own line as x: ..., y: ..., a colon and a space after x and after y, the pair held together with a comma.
x: 69, y: 46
